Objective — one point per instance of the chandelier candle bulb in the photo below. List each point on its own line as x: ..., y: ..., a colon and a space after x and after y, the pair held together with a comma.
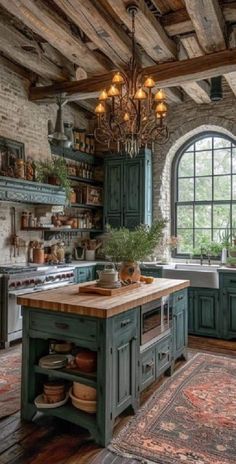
x: 149, y: 83
x: 113, y: 91
x: 118, y: 79
x: 103, y: 95
x: 140, y: 94
x: 100, y: 109
x: 160, y: 95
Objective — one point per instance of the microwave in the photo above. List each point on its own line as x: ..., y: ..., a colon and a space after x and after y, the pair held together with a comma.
x: 156, y: 318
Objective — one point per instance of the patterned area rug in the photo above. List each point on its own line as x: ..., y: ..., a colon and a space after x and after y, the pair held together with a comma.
x: 190, y: 419
x: 10, y: 377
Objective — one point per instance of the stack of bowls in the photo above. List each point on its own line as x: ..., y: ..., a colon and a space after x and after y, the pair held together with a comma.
x: 84, y: 397
x: 54, y: 392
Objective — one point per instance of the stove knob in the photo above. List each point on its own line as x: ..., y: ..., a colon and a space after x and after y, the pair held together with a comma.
x: 26, y: 282
x: 18, y: 283
x: 32, y: 282
x: 63, y: 276
x: 12, y: 285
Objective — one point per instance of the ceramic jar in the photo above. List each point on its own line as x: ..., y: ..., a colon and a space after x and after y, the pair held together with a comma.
x: 130, y: 271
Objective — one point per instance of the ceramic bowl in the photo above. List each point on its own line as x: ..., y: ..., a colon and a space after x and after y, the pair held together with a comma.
x: 84, y: 405
x: 84, y: 392
x: 62, y: 347
x: 86, y: 361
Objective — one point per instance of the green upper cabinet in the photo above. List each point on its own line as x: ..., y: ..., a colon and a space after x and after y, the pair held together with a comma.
x: 128, y: 190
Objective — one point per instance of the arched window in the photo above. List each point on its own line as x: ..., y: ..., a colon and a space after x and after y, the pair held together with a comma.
x: 204, y: 191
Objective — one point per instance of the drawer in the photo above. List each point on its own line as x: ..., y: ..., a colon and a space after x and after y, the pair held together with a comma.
x: 126, y: 323
x: 179, y: 301
x: 163, y: 355
x: 147, y: 372
x: 57, y: 326
x: 229, y: 280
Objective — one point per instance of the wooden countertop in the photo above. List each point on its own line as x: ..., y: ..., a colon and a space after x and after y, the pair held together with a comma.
x: 69, y: 300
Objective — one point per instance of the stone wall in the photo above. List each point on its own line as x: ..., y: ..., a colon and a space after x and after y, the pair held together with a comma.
x: 25, y: 122
x: 184, y: 121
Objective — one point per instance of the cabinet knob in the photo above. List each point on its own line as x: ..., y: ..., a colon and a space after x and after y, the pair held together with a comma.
x: 125, y: 322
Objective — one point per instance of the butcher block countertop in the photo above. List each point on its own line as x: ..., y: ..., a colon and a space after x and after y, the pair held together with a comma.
x: 69, y: 300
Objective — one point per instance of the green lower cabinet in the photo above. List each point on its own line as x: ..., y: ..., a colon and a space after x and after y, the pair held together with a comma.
x: 203, y: 312
x: 180, y: 323
x: 229, y: 311
x: 125, y: 360
x: 147, y: 368
x: 163, y: 355
x: 84, y: 274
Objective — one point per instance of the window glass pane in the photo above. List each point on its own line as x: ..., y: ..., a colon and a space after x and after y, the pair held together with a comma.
x: 201, y: 235
x: 219, y: 235
x: 186, y: 240
x: 234, y: 160
x: 204, y: 144
x: 184, y: 216
x: 191, y: 148
x: 221, y: 216
x: 203, y: 216
x: 185, y: 189
x: 186, y: 165
x: 222, y: 161
x: 203, y: 188
x: 234, y: 187
x: 220, y: 142
x: 234, y: 217
x: 204, y: 163
x: 222, y: 187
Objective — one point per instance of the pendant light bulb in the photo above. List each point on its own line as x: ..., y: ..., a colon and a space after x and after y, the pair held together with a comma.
x: 113, y: 91
x: 140, y: 94
x: 118, y: 79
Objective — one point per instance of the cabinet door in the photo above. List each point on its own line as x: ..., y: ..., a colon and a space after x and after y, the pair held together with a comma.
x: 206, y: 312
x: 229, y: 312
x: 190, y: 311
x: 114, y: 193
x: 125, y: 361
x: 133, y: 193
x: 180, y: 325
x: 147, y: 370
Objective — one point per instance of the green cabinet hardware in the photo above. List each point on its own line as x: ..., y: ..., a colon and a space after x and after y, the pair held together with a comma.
x: 25, y: 191
x: 128, y: 190
x: 84, y: 274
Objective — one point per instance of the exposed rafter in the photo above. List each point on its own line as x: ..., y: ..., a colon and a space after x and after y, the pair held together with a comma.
x: 149, y: 32
x: 24, y: 51
x: 169, y: 74
x: 55, y: 30
x: 95, y: 22
x: 208, y: 23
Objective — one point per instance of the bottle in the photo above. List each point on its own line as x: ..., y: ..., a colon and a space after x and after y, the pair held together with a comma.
x: 224, y: 256
x: 30, y: 220
x: 24, y: 220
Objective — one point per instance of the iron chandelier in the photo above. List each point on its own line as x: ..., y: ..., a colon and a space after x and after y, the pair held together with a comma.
x: 129, y: 114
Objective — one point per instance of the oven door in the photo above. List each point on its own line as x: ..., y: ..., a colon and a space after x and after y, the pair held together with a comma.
x: 14, y: 319
x: 151, y: 321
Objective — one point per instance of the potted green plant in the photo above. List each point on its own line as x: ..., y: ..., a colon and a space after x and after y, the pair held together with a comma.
x: 128, y: 247
x: 53, y: 171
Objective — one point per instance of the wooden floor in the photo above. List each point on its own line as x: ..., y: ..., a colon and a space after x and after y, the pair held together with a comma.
x: 48, y: 441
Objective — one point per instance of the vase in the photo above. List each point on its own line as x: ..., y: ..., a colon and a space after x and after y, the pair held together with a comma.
x: 130, y: 271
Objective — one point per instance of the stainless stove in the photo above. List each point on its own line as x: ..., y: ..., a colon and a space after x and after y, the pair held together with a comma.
x: 19, y: 280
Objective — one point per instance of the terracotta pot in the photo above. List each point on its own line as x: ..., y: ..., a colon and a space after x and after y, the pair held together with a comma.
x: 86, y: 361
x: 130, y: 271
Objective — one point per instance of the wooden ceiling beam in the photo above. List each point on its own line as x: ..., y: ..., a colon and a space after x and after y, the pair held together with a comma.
x: 231, y: 77
x: 169, y: 74
x: 208, y: 23
x: 149, y: 32
x: 26, y: 53
x: 92, y: 18
x: 198, y: 91
x: 54, y: 30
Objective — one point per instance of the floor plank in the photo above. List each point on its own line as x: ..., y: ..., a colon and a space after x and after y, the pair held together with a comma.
x: 48, y: 440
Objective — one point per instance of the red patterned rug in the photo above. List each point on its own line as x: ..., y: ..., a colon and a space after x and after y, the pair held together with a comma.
x: 10, y: 377
x: 190, y: 419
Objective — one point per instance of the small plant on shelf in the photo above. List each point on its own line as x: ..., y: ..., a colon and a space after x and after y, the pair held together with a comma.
x: 53, y: 171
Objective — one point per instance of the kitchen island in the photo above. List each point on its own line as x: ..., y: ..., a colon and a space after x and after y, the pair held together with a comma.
x: 136, y: 336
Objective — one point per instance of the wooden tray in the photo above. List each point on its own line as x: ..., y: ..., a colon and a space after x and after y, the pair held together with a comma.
x: 108, y: 291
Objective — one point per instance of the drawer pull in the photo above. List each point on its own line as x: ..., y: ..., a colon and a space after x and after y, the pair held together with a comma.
x: 148, y: 366
x: 125, y: 322
x: 163, y: 354
x: 180, y: 298
x: 61, y: 325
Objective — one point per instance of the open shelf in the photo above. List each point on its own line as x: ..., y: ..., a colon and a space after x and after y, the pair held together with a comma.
x: 69, y: 374
x: 72, y: 414
x: 85, y: 181
x: 83, y: 206
x: 58, y: 229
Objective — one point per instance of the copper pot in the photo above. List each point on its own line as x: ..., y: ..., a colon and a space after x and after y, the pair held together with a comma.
x: 86, y: 361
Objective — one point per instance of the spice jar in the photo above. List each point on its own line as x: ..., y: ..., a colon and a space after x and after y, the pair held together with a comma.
x: 19, y: 170
x: 24, y: 220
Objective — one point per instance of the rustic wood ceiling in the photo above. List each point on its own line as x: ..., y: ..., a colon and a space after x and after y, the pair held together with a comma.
x: 73, y: 46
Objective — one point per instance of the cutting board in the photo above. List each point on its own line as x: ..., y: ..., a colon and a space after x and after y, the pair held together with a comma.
x: 91, y: 288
